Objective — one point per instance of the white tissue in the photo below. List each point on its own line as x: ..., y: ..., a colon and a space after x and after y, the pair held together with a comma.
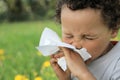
x: 62, y: 63
x: 83, y: 53
x: 50, y: 42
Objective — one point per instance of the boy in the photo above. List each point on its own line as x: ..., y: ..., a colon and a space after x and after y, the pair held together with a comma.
x: 89, y: 24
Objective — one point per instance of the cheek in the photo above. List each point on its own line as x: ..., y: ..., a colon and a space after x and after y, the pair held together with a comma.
x: 66, y: 40
x: 97, y: 48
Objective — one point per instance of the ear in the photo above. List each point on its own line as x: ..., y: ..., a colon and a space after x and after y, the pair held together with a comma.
x: 114, y: 33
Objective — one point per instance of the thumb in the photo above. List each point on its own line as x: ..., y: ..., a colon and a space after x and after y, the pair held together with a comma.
x: 66, y: 52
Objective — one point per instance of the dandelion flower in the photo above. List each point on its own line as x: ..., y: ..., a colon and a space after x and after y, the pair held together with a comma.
x: 38, y: 78
x: 1, y: 51
x: 21, y: 77
x: 46, y: 64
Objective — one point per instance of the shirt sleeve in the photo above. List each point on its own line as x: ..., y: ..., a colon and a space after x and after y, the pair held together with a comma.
x: 116, y: 72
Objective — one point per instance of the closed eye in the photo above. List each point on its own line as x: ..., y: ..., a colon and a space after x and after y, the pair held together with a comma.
x: 89, y: 37
x: 69, y: 36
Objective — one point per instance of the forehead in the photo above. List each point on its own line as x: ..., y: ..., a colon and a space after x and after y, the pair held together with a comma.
x: 81, y: 19
x: 84, y: 14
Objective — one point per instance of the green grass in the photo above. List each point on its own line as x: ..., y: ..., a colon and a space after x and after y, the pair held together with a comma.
x: 19, y: 40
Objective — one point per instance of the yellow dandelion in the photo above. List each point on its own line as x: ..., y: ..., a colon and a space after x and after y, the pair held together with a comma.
x: 21, y: 77
x: 1, y: 51
x: 38, y: 78
x: 46, y: 64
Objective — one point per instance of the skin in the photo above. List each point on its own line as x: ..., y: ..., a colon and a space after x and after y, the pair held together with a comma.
x: 82, y: 28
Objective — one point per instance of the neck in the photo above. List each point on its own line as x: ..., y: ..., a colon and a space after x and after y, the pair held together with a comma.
x: 110, y: 46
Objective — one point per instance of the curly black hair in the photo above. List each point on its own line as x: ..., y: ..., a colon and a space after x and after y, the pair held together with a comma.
x: 110, y: 9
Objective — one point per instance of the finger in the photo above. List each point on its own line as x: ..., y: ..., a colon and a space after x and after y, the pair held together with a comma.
x: 52, y: 56
x: 68, y: 71
x: 55, y: 65
x: 69, y: 53
x: 59, y: 54
x: 53, y: 61
x: 66, y: 52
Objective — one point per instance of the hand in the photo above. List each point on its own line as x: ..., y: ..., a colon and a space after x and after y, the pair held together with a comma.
x: 76, y: 65
x: 62, y: 75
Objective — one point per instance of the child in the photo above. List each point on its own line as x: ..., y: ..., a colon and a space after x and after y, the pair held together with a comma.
x: 89, y: 24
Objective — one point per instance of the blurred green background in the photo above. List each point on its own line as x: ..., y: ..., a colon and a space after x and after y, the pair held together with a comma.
x: 22, y: 10
x: 21, y: 25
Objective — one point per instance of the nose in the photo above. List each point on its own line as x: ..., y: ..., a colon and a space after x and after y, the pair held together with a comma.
x: 77, y: 44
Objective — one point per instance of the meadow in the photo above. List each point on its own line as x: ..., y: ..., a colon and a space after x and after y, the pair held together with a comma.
x: 19, y: 59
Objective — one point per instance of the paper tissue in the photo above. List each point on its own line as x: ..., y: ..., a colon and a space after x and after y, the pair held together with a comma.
x: 50, y: 42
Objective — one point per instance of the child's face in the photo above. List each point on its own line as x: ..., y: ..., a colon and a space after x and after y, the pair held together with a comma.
x: 84, y: 28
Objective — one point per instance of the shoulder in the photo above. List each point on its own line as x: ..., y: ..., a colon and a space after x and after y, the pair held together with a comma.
x: 113, y: 69
x: 116, y: 72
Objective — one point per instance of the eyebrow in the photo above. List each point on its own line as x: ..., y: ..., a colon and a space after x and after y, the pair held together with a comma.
x: 90, y: 34
x: 68, y: 33
x: 84, y: 34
